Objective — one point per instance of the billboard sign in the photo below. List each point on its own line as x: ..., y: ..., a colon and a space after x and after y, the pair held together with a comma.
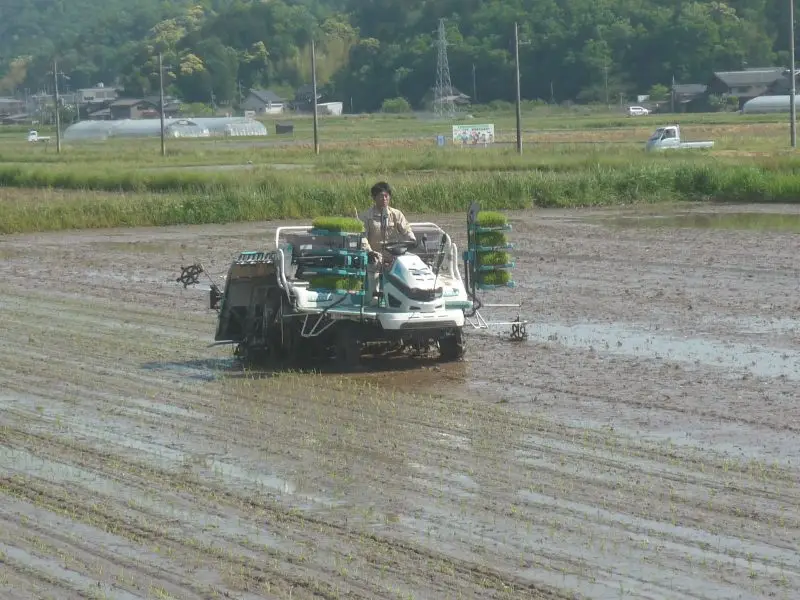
x: 473, y: 135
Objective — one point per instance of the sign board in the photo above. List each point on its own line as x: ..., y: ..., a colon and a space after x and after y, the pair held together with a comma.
x: 440, y: 140
x: 473, y: 135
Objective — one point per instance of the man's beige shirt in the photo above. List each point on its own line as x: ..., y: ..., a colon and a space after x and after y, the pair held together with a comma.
x: 397, y: 229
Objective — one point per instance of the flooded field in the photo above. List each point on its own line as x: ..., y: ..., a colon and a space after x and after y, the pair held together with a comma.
x: 644, y: 442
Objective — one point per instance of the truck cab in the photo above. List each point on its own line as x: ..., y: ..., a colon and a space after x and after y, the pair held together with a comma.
x: 665, y: 137
x: 33, y: 136
x: 669, y: 137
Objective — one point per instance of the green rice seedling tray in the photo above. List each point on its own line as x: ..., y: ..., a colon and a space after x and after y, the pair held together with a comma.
x: 337, y: 224
x: 329, y: 232
x: 478, y: 229
x: 496, y: 267
x: 494, y: 248
x: 495, y: 286
x: 490, y: 218
x: 494, y: 277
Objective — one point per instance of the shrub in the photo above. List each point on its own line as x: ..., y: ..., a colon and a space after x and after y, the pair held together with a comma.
x: 396, y: 106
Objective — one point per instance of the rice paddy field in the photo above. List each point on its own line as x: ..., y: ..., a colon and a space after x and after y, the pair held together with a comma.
x: 643, y: 442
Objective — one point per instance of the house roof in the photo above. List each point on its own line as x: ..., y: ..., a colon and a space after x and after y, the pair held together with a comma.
x: 266, y: 96
x: 169, y: 103
x: 689, y: 89
x: 129, y: 102
x: 783, y: 84
x: 749, y: 77
x: 306, y: 92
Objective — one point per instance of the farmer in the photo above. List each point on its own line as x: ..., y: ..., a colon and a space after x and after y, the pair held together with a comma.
x: 382, y: 221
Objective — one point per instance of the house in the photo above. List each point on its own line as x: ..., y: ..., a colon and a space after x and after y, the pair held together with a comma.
x: 744, y: 85
x: 99, y: 93
x: 263, y: 102
x: 783, y: 85
x: 686, y: 97
x: 452, y: 93
x: 330, y: 108
x: 133, y: 108
x: 304, y: 98
x: 172, y: 106
x: 96, y: 111
x: 11, y: 106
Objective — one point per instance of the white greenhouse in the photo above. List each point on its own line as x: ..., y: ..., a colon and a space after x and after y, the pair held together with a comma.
x: 768, y: 104
x: 175, y: 128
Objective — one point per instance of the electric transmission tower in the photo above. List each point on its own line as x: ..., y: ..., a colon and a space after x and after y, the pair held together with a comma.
x: 443, y: 104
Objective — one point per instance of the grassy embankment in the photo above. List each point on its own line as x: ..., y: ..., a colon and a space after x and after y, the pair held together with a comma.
x: 568, y: 161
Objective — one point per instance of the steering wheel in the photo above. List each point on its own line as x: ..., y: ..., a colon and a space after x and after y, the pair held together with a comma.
x: 399, y: 248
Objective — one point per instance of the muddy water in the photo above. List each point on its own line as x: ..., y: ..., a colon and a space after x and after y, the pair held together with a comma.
x: 642, y: 442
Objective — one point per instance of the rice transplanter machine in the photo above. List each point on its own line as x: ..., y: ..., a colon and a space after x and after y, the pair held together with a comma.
x: 304, y: 301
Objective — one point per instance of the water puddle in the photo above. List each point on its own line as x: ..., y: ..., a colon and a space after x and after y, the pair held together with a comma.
x: 444, y: 481
x: 734, y: 221
x: 198, y: 370
x: 180, y: 514
x: 736, y: 357
x: 88, y: 587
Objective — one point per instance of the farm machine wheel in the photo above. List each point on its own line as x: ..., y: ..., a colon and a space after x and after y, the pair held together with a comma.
x: 452, y: 347
x: 348, y: 346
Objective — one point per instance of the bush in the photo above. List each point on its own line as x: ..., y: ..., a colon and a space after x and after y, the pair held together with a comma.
x: 396, y: 106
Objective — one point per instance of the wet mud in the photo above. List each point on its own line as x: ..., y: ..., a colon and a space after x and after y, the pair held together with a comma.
x: 644, y: 441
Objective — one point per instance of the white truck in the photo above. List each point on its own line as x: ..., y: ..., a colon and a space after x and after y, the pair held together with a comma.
x: 33, y: 136
x: 669, y: 138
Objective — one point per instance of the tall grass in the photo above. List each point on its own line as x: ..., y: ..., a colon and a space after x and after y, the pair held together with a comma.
x: 191, y: 198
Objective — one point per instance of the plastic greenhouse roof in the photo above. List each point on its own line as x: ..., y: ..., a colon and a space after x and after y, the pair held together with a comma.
x: 101, y: 130
x: 768, y: 104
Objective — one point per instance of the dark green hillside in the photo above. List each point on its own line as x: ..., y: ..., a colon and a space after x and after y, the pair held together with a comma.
x: 371, y: 50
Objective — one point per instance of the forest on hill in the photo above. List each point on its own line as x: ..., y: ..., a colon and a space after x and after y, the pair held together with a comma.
x: 371, y: 50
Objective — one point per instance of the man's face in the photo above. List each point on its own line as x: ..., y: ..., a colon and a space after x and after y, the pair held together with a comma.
x: 381, y: 199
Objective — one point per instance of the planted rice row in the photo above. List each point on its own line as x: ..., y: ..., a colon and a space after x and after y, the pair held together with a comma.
x: 199, y: 198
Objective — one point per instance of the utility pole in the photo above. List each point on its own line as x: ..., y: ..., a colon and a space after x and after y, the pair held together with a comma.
x: 608, y: 104
x: 518, y: 99
x: 161, y: 103
x: 474, y: 85
x: 314, y: 93
x: 793, y: 98
x: 672, y: 95
x: 58, y: 101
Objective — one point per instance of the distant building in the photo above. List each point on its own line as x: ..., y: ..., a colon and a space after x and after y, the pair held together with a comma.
x: 783, y: 85
x: 11, y: 106
x: 99, y: 93
x: 689, y: 97
x: 133, y: 108
x: 746, y: 84
x: 264, y: 102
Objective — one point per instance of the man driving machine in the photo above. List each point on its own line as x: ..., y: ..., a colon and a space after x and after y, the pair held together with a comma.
x: 383, y: 225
